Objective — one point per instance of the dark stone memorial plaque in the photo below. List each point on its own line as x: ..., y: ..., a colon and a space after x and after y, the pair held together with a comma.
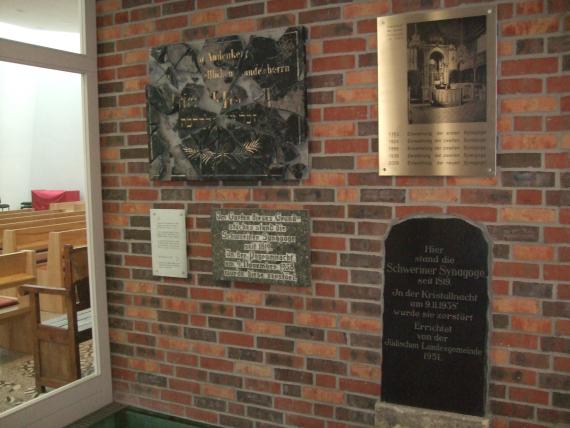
x: 435, y: 316
x: 229, y: 108
x: 253, y: 245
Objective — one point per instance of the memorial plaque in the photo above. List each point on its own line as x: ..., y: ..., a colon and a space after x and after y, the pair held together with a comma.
x: 253, y: 245
x: 229, y: 108
x: 168, y: 243
x: 440, y: 120
x: 435, y: 316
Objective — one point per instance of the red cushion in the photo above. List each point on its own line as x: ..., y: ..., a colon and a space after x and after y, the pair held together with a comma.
x: 7, y: 301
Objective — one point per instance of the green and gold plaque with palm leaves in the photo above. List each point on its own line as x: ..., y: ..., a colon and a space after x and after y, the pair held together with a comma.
x: 229, y: 108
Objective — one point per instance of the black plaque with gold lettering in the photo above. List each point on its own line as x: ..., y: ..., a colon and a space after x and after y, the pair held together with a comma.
x: 435, y: 316
x: 229, y: 108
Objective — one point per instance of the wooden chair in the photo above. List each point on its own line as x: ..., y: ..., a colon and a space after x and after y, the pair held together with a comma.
x: 56, y: 341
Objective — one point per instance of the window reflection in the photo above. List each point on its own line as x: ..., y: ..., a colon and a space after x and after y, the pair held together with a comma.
x: 41, y: 162
x: 53, y: 24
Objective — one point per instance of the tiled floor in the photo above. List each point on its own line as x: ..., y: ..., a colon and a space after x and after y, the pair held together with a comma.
x: 17, y: 384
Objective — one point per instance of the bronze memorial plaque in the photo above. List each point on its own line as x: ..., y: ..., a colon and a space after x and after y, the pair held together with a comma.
x: 440, y: 118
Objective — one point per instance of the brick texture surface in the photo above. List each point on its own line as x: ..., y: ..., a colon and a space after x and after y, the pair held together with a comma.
x: 254, y: 355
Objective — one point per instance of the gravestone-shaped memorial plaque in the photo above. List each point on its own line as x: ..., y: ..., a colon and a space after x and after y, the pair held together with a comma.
x: 229, y: 108
x: 266, y: 246
x: 435, y: 316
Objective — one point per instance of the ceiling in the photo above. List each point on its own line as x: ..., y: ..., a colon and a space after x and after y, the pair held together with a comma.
x: 50, y: 15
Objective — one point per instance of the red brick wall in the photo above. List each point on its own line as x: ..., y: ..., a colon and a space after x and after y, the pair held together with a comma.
x: 253, y: 355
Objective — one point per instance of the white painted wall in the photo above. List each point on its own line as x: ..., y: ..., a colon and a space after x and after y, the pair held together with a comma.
x: 41, y: 135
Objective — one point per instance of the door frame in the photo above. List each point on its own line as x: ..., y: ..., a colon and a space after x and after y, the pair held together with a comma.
x: 73, y: 401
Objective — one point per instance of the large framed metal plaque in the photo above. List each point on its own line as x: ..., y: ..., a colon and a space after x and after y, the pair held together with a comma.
x: 437, y: 93
x: 266, y: 246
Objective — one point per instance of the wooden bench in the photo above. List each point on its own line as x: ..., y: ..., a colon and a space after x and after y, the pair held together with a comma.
x: 15, y: 317
x: 51, y: 274
x: 26, y: 223
x: 36, y: 215
x: 56, y: 342
x: 68, y: 206
x: 22, y: 213
x: 13, y: 212
x: 34, y: 238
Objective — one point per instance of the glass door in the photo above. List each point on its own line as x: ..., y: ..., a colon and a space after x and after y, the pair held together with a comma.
x: 49, y: 142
